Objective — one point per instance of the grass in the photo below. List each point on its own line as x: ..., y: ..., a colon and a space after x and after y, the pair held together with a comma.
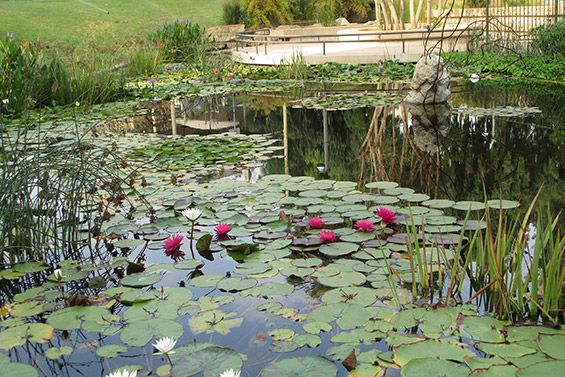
x: 106, y: 22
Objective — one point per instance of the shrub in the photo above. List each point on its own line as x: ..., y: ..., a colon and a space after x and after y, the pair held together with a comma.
x: 266, y: 13
x: 143, y: 62
x: 29, y: 78
x: 549, y: 39
x: 233, y: 12
x: 183, y: 41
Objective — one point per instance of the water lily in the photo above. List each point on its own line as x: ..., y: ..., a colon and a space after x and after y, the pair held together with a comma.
x: 365, y: 225
x: 316, y: 223
x: 222, y: 230
x: 122, y: 373
x: 230, y: 373
x: 192, y: 214
x: 172, y: 247
x: 58, y: 274
x: 387, y: 215
x: 5, y: 101
x: 327, y: 236
x: 173, y: 242
x: 165, y: 346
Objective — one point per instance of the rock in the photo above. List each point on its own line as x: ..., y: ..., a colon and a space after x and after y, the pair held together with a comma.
x: 430, y: 124
x: 341, y: 22
x: 430, y: 83
x: 225, y: 33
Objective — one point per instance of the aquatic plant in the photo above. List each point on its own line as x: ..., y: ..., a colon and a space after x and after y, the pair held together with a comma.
x: 327, y: 236
x: 222, y: 229
x: 230, y: 373
x: 365, y: 225
x: 388, y: 216
x: 315, y: 223
x: 164, y: 346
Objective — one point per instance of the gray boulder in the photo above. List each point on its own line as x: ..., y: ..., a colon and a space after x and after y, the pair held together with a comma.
x: 430, y: 83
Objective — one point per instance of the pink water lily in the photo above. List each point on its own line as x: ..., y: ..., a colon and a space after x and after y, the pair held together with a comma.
x: 387, y: 215
x: 222, y: 230
x: 365, y: 225
x: 172, y: 247
x: 327, y: 236
x: 315, y: 223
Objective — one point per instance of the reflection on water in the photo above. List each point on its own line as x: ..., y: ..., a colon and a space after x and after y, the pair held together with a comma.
x: 436, y: 150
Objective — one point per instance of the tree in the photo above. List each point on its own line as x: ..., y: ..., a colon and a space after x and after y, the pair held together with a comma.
x: 266, y: 13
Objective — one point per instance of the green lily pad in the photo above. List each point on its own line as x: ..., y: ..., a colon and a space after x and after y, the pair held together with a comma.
x: 505, y: 350
x: 355, y: 295
x: 128, y: 243
x: 139, y: 333
x: 503, y: 204
x: 547, y: 368
x: 54, y: 353
x: 338, y: 248
x: 441, y: 349
x: 469, y: 206
x: 381, y: 185
x: 552, y: 345
x: 208, y: 359
x: 110, y: 350
x: 141, y: 279
x: 214, y: 321
x: 205, y: 281
x: 17, y: 370
x: 282, y: 334
x: 433, y: 367
x: 189, y: 264
x: 236, y: 284
x: 18, y: 335
x: 311, y: 366
x: 343, y: 279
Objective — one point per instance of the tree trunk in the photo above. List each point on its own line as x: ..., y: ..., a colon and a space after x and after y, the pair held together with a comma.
x: 418, y: 12
x: 394, y: 15
x: 378, y: 15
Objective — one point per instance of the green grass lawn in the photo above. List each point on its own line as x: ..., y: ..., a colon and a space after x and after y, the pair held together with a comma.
x: 75, y: 22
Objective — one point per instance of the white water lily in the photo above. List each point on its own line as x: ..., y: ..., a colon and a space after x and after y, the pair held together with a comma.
x: 58, y: 274
x: 474, y: 78
x: 164, y: 346
x: 5, y: 101
x: 123, y: 373
x: 230, y: 373
x: 192, y: 214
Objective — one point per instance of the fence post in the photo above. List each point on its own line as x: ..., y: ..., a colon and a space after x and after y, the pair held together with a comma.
x: 324, y: 47
x: 555, y: 11
x: 487, y: 18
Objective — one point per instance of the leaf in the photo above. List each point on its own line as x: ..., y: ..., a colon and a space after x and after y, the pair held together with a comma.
x: 311, y: 366
x: 17, y: 370
x: 336, y: 249
x: 18, y: 335
x: 213, y: 321
x: 139, y: 333
x: 552, y: 345
x: 433, y: 367
x: 54, y: 353
x: 110, y: 350
x: 203, y: 243
x: 139, y: 280
x: 547, y: 368
x: 204, y: 358
x: 441, y: 349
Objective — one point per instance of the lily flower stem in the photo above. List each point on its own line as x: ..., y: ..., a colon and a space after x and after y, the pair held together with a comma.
x: 169, y: 359
x: 191, y: 239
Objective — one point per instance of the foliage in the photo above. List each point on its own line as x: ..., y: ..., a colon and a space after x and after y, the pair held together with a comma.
x: 53, y: 194
x: 267, y: 13
x: 549, y: 39
x: 183, y: 41
x: 538, y: 67
x: 233, y: 12
x: 295, y: 68
x: 30, y: 78
x: 144, y: 61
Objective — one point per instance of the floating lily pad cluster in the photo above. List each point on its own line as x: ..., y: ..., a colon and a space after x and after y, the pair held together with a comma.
x: 499, y: 111
x: 347, y: 101
x: 184, y: 153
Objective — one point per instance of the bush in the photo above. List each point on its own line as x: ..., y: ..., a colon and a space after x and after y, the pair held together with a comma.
x: 267, y: 13
x: 29, y: 78
x: 143, y: 62
x: 549, y: 39
x: 233, y: 12
x: 183, y: 41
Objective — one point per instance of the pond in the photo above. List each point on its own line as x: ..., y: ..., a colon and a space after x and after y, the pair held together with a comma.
x: 277, y: 295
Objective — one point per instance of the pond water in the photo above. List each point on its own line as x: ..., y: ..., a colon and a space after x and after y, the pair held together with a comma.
x: 294, y: 300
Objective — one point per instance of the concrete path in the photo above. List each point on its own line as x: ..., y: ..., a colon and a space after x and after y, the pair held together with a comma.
x: 338, y: 52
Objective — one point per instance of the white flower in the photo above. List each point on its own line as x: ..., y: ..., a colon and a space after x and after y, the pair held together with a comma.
x: 474, y: 78
x: 164, y: 346
x: 5, y: 101
x: 230, y: 373
x: 58, y: 274
x: 123, y: 373
x: 77, y: 104
x: 192, y: 214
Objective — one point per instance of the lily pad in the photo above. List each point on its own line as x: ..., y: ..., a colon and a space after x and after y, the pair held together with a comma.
x: 338, y: 248
x: 311, y: 366
x: 433, y: 367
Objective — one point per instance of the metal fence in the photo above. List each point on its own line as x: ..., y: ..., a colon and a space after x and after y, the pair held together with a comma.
x: 506, y: 21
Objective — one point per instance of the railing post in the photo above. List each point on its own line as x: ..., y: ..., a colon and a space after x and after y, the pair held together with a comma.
x: 324, y: 47
x: 256, y: 48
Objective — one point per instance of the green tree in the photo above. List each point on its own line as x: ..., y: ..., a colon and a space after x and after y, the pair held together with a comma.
x: 266, y: 13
